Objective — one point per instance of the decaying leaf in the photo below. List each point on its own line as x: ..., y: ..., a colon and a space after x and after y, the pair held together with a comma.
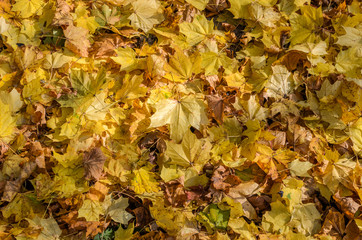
x: 93, y: 162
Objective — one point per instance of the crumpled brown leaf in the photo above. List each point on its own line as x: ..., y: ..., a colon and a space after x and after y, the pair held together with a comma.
x: 216, y: 105
x: 334, y: 224
x: 105, y: 46
x: 223, y: 180
x: 347, y: 205
x: 93, y: 162
x: 174, y: 193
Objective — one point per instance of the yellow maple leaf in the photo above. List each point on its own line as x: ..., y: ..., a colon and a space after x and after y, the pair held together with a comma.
x: 144, y: 181
x: 180, y: 115
x: 305, y: 25
x: 7, y: 123
x: 126, y: 57
x: 91, y: 210
x: 182, y: 67
x: 146, y: 14
x: 28, y: 8
x: 198, y: 30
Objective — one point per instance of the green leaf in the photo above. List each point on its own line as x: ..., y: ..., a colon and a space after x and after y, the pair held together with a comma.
x: 214, y: 218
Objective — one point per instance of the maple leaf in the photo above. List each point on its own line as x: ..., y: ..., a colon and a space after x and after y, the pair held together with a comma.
x: 56, y: 60
x: 277, y: 218
x: 27, y: 8
x: 182, y: 67
x: 7, y: 123
x: 198, y: 30
x: 299, y: 168
x: 117, y: 211
x: 214, y: 217
x: 146, y: 14
x: 50, y: 227
x: 280, y: 83
x: 144, y: 181
x: 240, y: 9
x: 62, y: 14
x: 83, y: 20
x: 77, y: 40
x: 212, y: 61
x: 90, y: 210
x: 199, y: 4
x: 23, y: 207
x: 252, y: 106
x: 352, y: 38
x: 124, y: 234
x: 93, y: 163
x: 187, y: 153
x: 126, y: 57
x: 179, y: 115
x: 306, y: 219
x: 304, y: 25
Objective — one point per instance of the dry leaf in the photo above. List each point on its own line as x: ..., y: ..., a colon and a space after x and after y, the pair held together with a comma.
x: 93, y: 162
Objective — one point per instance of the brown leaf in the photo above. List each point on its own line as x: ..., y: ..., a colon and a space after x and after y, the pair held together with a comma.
x: 216, y: 6
x: 174, y: 193
x: 92, y: 228
x: 352, y: 231
x: 216, y: 105
x: 77, y: 40
x: 279, y: 140
x: 198, y: 194
x: 11, y: 189
x: 347, y: 205
x: 36, y: 152
x: 260, y: 203
x: 154, y: 143
x: 97, y: 192
x: 334, y: 224
x: 212, y: 80
x: 105, y: 46
x: 93, y: 162
x: 291, y: 59
x: 143, y: 215
x: 62, y: 15
x: 38, y: 114
x: 223, y: 180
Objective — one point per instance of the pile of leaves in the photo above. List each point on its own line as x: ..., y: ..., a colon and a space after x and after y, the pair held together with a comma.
x: 180, y: 119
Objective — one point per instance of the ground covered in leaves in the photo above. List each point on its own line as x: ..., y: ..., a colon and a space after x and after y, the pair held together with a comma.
x: 192, y: 119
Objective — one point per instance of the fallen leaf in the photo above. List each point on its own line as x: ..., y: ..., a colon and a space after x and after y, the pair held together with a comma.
x: 93, y: 162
